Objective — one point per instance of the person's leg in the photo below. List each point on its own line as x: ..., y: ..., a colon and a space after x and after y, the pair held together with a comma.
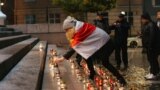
x: 118, y: 55
x: 104, y: 57
x: 78, y: 59
x: 90, y: 67
x: 152, y: 58
x: 113, y: 70
x: 125, y: 56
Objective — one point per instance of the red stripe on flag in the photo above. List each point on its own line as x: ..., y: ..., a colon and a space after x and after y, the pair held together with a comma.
x: 85, y: 31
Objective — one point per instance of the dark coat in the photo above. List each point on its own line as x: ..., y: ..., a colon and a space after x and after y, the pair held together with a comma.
x: 103, y: 25
x: 121, y: 31
x: 150, y: 36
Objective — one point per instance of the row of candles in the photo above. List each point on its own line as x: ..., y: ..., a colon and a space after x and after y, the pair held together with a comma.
x: 55, y: 72
x: 82, y: 75
x: 76, y: 71
x: 103, y: 79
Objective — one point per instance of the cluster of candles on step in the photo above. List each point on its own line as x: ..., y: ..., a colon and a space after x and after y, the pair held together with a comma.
x: 103, y: 80
x: 82, y: 75
x: 55, y: 72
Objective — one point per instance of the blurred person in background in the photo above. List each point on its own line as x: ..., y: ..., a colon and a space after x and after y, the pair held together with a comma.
x: 102, y: 23
x: 151, y: 44
x: 121, y: 27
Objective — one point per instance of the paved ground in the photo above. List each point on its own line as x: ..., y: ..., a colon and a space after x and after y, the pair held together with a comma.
x: 137, y: 59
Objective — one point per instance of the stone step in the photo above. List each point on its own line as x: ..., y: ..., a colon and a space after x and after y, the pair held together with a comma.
x: 9, y: 33
x: 6, y: 29
x: 11, y: 55
x: 6, y: 41
x: 28, y: 73
x: 48, y: 83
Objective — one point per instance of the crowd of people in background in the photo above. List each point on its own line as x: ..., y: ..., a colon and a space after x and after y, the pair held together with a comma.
x: 150, y: 34
x: 93, y: 42
x: 121, y: 28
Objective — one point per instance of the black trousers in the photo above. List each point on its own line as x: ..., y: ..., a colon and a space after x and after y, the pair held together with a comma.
x: 78, y: 59
x: 121, y: 47
x: 103, y: 55
x: 152, y: 56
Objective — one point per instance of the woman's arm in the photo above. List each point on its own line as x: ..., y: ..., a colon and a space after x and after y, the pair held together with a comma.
x: 69, y: 53
x: 66, y: 56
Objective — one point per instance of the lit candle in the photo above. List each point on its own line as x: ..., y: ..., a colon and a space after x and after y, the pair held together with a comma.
x: 72, y: 66
x: 92, y: 87
x: 77, y: 71
x: 100, y: 82
x: 59, y: 81
x: 80, y: 77
x: 51, y: 66
x: 52, y: 73
x: 71, y: 61
x: 100, y: 88
x: 63, y: 86
x: 40, y: 47
x: 122, y: 88
x: 84, y: 81
x: 108, y: 88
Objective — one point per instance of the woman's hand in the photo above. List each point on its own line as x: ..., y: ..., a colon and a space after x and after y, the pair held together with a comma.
x: 58, y: 59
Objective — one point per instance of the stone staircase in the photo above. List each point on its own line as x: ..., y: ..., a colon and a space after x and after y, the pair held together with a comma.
x: 22, y: 61
x: 24, y: 65
x: 4, y: 32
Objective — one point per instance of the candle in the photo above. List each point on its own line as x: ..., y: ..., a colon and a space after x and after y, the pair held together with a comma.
x: 51, y: 66
x: 100, y: 88
x: 84, y: 81
x: 52, y: 73
x: 40, y: 47
x: 71, y: 61
x: 100, y: 82
x: 108, y: 88
x: 92, y: 88
x: 63, y: 85
x: 80, y: 77
x: 77, y: 71
x: 72, y: 66
x: 59, y: 81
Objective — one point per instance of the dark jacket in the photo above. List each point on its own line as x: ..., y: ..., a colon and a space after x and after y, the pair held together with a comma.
x: 103, y: 25
x: 121, y: 31
x: 150, y: 37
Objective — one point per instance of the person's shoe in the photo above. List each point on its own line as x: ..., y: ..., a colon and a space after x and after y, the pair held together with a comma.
x: 147, y: 75
x: 150, y: 76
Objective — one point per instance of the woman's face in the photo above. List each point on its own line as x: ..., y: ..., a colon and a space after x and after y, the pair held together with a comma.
x: 70, y: 33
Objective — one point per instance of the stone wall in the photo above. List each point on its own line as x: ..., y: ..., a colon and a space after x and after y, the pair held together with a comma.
x: 38, y: 28
x: 53, y: 33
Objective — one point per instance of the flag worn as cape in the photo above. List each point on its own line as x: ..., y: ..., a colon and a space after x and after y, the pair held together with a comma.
x: 88, y: 39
